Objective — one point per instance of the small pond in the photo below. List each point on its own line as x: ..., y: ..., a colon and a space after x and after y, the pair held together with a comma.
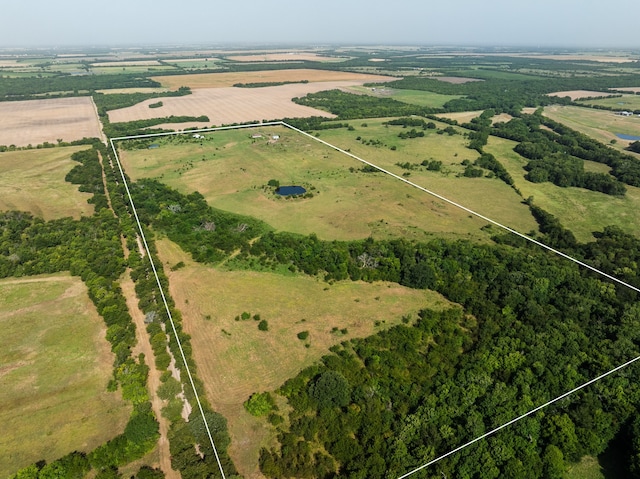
x: 290, y: 190
x: 628, y: 137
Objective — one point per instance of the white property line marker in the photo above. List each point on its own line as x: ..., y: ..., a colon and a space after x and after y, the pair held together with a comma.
x: 440, y: 197
x: 164, y: 300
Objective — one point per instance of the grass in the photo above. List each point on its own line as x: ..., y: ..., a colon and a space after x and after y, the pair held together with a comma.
x: 599, y: 124
x: 33, y: 180
x: 582, y: 211
x: 587, y: 468
x: 236, y: 359
x: 413, y: 97
x: 628, y: 102
x: 55, y: 365
x: 230, y: 169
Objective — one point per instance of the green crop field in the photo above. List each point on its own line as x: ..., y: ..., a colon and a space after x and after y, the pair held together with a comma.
x: 33, y: 180
x: 582, y: 211
x: 54, y: 365
x: 236, y: 359
x: 231, y: 170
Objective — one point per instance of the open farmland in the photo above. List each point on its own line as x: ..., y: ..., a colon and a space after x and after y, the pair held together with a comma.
x: 413, y: 97
x: 628, y: 102
x: 54, y: 368
x: 599, y: 124
x: 230, y: 169
x: 33, y: 180
x: 581, y: 211
x: 578, y: 94
x: 221, y: 80
x: 33, y: 122
x: 285, y: 57
x: 487, y: 196
x: 236, y: 359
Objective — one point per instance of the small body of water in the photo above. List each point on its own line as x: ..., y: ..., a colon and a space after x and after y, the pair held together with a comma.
x: 290, y: 190
x: 628, y: 137
x: 154, y: 146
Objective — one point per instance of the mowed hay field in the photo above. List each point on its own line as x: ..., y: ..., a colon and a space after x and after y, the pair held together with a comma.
x: 599, y: 124
x: 33, y: 122
x: 221, y: 80
x: 33, y: 181
x: 55, y: 364
x: 580, y: 210
x: 236, y: 359
x: 628, y: 102
x: 230, y: 169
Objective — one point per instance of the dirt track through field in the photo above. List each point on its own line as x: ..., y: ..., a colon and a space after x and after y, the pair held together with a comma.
x: 35, y: 121
x: 231, y: 105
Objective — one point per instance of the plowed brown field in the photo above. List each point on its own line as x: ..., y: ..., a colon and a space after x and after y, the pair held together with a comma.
x: 36, y: 121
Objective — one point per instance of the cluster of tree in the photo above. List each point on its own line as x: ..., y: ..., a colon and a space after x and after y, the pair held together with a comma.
x: 128, y: 128
x: 113, y: 101
x: 489, y: 162
x: 314, y: 123
x: 267, y: 83
x: 414, y: 122
x: 540, y: 326
x: 89, y: 176
x: 635, y: 147
x: 557, y: 155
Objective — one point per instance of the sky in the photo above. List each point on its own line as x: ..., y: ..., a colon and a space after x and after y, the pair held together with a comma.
x: 533, y: 23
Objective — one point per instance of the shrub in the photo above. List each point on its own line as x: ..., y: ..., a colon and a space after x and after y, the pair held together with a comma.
x: 259, y: 404
x: 263, y: 325
x: 303, y: 335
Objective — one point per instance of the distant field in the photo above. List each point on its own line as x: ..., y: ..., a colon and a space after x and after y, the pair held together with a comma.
x: 33, y: 122
x: 413, y: 97
x: 235, y: 359
x: 628, y: 102
x: 33, y: 180
x: 577, y: 94
x: 221, y: 80
x: 283, y: 57
x: 230, y: 168
x: 54, y: 367
x: 599, y: 124
x: 113, y: 70
x: 133, y: 90
x: 582, y: 211
x: 461, y: 116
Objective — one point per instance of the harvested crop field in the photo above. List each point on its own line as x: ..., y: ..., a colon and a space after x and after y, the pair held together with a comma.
x: 286, y: 57
x: 630, y: 89
x: 234, y: 105
x: 33, y: 122
x: 33, y: 181
x: 221, y: 80
x: 577, y: 94
x: 54, y: 367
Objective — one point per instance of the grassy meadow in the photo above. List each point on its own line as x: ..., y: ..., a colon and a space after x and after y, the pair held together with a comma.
x: 54, y: 368
x: 599, y: 124
x: 413, y: 97
x: 33, y: 180
x: 231, y: 170
x: 628, y: 102
x: 236, y: 359
x: 580, y: 210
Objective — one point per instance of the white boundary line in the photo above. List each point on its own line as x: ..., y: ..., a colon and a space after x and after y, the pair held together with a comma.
x: 164, y: 300
x: 440, y: 197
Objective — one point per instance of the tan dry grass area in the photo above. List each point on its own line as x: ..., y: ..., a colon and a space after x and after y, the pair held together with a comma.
x: 221, y: 80
x: 235, y: 359
x: 462, y: 116
x: 33, y: 122
x: 291, y: 56
x: 33, y: 180
x: 55, y: 366
x: 233, y: 105
x: 502, y: 117
x: 577, y: 94
x: 456, y: 80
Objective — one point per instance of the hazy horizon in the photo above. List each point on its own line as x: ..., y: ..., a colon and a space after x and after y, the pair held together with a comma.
x: 543, y: 24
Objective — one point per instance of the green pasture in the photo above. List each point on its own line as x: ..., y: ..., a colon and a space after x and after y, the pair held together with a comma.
x: 231, y: 170
x: 580, y: 210
x: 132, y: 69
x: 626, y: 102
x: 55, y: 364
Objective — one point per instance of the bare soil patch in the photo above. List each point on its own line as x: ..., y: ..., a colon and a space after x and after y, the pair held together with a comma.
x: 33, y: 122
x: 221, y: 80
x: 231, y: 105
x: 577, y: 94
x: 462, y: 116
x: 502, y: 117
x: 633, y: 89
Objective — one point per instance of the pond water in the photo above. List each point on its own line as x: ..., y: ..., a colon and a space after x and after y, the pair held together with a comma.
x: 628, y: 137
x: 290, y: 190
